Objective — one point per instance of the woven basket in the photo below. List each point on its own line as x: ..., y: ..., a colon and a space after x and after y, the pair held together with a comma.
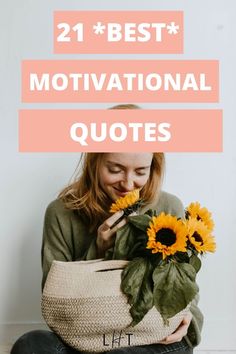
x: 82, y: 303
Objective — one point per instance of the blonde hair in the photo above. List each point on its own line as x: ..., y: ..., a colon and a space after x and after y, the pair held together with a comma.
x: 86, y: 195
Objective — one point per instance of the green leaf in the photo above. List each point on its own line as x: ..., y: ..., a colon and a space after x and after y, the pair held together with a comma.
x: 131, y: 243
x: 140, y: 221
x: 181, y: 257
x: 125, y: 239
x: 195, y: 262
x: 174, y: 288
x: 139, y: 246
x: 136, y: 283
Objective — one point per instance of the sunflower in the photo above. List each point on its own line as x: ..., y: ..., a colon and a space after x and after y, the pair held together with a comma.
x: 166, y: 235
x: 129, y: 200
x: 194, y: 210
x: 200, y: 236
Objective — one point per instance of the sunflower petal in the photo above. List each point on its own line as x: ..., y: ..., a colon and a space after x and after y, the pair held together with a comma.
x: 195, y: 211
x: 200, y: 236
x: 124, y: 202
x: 166, y: 224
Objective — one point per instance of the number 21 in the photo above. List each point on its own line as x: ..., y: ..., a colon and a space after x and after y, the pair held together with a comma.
x: 64, y: 35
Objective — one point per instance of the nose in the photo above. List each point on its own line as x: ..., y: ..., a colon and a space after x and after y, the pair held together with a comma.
x: 127, y: 183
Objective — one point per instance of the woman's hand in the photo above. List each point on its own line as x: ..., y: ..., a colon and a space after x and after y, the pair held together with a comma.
x: 180, y: 332
x: 106, y: 234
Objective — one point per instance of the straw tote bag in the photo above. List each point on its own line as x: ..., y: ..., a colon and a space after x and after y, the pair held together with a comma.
x: 82, y: 303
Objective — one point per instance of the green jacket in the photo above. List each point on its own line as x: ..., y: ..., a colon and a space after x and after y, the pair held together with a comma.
x: 66, y: 238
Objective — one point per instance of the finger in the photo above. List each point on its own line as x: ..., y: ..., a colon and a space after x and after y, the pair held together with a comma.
x: 171, y: 339
x: 167, y: 341
x: 162, y: 342
x: 107, y: 232
x: 178, y: 334
x: 188, y: 318
x: 117, y: 221
x: 118, y: 226
x: 112, y: 219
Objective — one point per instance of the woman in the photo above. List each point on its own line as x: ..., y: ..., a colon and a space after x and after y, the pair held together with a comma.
x: 78, y: 226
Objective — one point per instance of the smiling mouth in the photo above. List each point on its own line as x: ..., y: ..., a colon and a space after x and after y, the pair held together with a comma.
x: 122, y: 193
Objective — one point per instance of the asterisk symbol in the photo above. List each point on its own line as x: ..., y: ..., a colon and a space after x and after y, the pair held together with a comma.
x: 172, y: 28
x: 99, y: 28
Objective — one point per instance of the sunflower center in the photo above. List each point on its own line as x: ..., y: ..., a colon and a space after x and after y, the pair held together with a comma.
x: 197, y: 237
x: 166, y: 236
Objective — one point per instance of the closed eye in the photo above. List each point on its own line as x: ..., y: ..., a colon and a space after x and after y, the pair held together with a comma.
x: 142, y: 171
x: 114, y: 171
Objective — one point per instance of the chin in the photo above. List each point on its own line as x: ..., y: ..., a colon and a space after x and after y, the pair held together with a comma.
x: 114, y: 197
x: 114, y: 194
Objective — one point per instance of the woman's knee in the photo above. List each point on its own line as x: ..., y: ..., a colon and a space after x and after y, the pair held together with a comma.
x: 37, y: 342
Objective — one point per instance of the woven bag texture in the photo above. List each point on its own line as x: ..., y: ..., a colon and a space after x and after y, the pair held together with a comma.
x: 82, y: 303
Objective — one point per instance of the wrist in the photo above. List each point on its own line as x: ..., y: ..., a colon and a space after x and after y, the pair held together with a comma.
x: 100, y: 253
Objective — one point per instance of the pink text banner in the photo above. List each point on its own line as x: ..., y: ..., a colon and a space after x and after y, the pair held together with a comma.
x: 104, y: 32
x: 120, y: 81
x: 120, y: 130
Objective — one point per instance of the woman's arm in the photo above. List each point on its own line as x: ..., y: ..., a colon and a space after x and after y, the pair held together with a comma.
x: 66, y: 237
x: 55, y: 245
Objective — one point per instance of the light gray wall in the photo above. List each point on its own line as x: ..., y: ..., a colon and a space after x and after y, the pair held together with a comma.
x: 30, y: 181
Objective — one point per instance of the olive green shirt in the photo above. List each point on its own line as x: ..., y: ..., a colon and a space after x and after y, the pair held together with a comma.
x: 66, y: 238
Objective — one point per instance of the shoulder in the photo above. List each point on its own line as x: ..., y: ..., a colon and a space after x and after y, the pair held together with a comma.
x: 57, y: 210
x: 55, y: 207
x: 169, y: 200
x: 170, y: 204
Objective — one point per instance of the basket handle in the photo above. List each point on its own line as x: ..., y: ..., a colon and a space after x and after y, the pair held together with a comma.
x: 106, y: 265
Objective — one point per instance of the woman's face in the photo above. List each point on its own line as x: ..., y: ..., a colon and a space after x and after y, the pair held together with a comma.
x: 120, y: 173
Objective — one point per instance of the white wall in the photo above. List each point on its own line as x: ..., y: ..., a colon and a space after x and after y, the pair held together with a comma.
x: 30, y: 181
